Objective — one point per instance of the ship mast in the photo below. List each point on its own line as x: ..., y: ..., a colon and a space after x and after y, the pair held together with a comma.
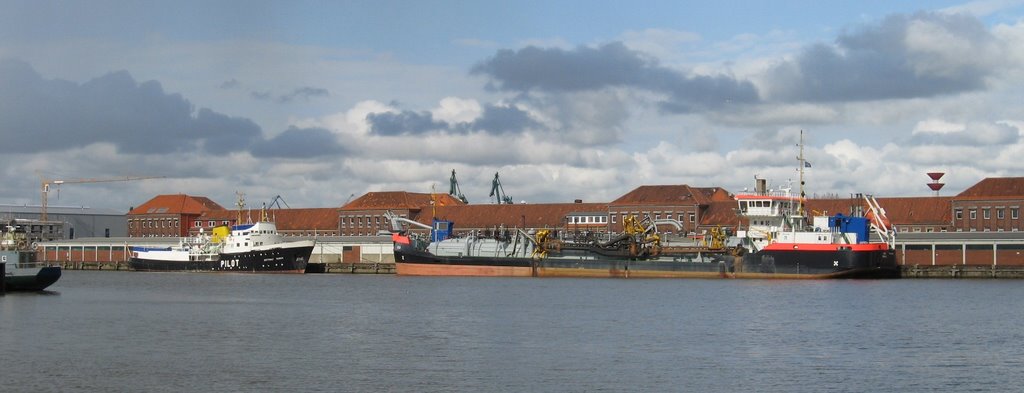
x: 803, y: 163
x: 240, y: 203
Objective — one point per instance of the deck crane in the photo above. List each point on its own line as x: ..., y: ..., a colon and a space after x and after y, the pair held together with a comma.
x: 45, y: 188
x: 499, y: 192
x: 454, y: 190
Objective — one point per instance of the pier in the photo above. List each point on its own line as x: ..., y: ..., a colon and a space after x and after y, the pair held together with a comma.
x: 961, y: 254
x: 332, y: 254
x: 920, y: 254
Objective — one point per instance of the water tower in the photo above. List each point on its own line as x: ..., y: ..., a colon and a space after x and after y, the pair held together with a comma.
x: 935, y: 185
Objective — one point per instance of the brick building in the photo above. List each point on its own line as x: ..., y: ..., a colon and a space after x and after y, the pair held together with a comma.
x: 289, y: 222
x: 365, y: 215
x: 686, y: 204
x: 168, y: 215
x: 575, y: 219
x: 909, y: 214
x: 991, y: 205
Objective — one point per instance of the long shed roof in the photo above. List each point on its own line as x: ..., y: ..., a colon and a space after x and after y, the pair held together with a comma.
x: 176, y: 204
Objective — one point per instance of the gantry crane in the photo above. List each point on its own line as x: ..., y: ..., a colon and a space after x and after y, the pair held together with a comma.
x: 47, y: 182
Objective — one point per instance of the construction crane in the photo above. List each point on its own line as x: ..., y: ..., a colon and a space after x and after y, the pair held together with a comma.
x: 499, y: 192
x: 45, y: 188
x: 454, y: 190
x: 278, y: 200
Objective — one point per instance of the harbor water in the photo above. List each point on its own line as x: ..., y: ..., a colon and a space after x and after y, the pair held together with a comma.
x: 132, y: 331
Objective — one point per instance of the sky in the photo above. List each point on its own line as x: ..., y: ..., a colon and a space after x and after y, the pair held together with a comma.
x: 321, y: 102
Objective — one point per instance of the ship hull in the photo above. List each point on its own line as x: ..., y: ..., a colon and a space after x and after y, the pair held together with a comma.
x: 32, y: 279
x: 22, y: 273
x: 157, y: 265
x: 272, y: 260
x: 275, y: 260
x: 871, y: 263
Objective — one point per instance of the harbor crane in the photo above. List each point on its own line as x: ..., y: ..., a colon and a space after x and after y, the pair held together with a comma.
x: 46, y: 183
x: 498, y: 192
x: 278, y: 200
x: 454, y: 190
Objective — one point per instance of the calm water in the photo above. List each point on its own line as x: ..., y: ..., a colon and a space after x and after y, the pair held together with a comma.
x: 128, y: 331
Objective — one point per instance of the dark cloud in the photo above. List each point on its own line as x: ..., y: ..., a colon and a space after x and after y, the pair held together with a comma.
x: 50, y: 115
x: 304, y: 93
x: 301, y: 93
x: 231, y: 84
x: 261, y: 95
x: 503, y: 119
x: 299, y: 143
x: 402, y: 123
x: 495, y: 119
x: 901, y: 57
x: 610, y: 65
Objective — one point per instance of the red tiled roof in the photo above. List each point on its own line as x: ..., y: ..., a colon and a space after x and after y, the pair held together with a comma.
x: 324, y: 218
x: 995, y: 188
x: 399, y: 200
x: 176, y: 204
x: 902, y: 211
x: 535, y: 215
x: 672, y: 195
x: 721, y: 213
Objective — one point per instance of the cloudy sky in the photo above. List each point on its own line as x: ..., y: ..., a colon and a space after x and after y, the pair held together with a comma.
x: 319, y: 101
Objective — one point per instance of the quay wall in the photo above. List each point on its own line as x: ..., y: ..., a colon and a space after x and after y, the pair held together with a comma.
x: 921, y: 255
x: 353, y: 254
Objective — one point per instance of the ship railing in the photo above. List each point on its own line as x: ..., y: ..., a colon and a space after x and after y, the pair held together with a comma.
x: 770, y: 193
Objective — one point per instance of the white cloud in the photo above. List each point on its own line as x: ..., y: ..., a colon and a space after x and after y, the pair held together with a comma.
x: 457, y: 110
x: 937, y: 126
x: 935, y: 49
x: 982, y: 7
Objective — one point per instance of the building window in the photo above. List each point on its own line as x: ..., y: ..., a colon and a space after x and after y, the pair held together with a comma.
x: 1000, y: 214
x: 986, y: 213
x: 198, y: 224
x: 613, y: 219
x: 1014, y: 213
x: 974, y: 214
x: 959, y: 214
x: 693, y: 217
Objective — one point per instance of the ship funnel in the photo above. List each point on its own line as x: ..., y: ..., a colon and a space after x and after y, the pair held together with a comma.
x: 761, y: 186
